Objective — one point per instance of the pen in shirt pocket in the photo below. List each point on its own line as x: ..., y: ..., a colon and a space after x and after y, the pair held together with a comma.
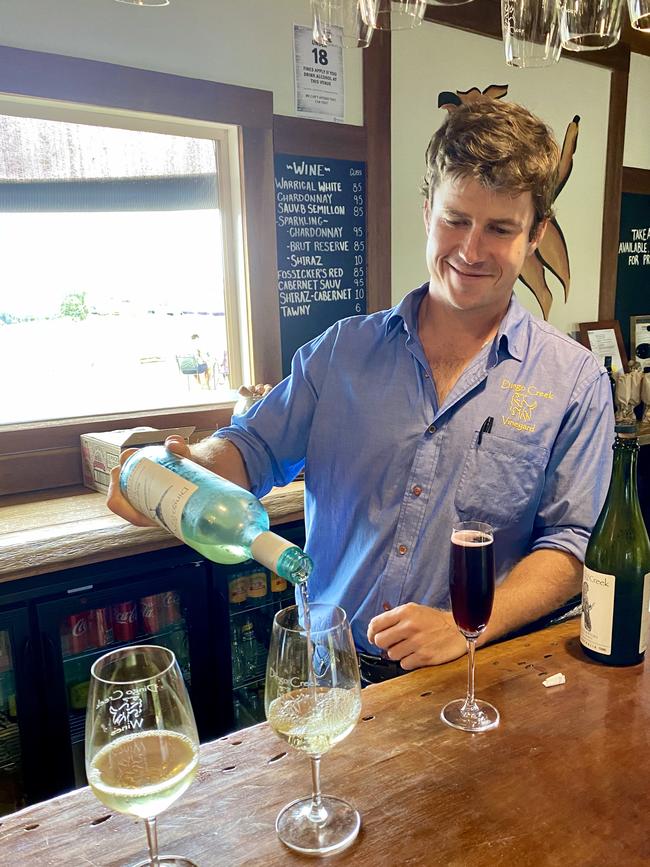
x: 486, y: 427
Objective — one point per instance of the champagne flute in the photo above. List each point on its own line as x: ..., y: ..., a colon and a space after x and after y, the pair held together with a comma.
x: 142, y: 747
x: 313, y: 701
x: 471, y: 586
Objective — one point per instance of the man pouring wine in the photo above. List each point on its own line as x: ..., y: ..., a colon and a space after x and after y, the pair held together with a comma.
x: 455, y: 405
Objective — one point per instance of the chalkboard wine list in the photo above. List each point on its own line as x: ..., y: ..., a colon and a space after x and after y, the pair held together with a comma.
x: 616, y: 578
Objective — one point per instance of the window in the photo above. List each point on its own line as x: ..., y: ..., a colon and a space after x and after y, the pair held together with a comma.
x: 43, y: 454
x: 121, y: 272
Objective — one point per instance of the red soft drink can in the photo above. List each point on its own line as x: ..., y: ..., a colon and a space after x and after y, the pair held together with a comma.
x: 125, y: 621
x: 102, y: 627
x: 172, y: 608
x: 79, y: 626
x: 151, y: 614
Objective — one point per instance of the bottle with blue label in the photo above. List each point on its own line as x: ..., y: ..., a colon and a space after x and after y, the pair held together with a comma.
x: 220, y: 520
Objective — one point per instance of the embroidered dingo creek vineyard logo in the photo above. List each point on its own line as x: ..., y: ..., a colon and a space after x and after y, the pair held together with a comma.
x: 524, y: 400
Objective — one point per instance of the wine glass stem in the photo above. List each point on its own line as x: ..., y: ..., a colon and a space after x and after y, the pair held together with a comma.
x: 317, y: 813
x: 152, y: 840
x: 471, y: 651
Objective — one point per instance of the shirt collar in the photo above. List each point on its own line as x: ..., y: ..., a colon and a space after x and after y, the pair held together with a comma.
x: 406, y: 312
x: 511, y: 336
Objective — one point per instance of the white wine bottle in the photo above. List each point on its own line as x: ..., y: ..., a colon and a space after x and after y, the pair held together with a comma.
x: 616, y: 578
x: 217, y: 518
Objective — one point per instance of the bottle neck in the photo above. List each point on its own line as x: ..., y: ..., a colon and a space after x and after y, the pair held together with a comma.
x: 623, y: 487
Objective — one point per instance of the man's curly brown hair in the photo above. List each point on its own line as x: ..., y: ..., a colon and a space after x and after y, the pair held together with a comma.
x: 502, y: 146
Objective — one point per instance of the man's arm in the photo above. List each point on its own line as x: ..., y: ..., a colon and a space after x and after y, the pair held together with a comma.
x: 218, y: 455
x: 418, y: 635
x: 536, y: 586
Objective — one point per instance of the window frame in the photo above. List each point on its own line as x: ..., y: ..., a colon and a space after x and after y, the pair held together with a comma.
x: 44, y: 455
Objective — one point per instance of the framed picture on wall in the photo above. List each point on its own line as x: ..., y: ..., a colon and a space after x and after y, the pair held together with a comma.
x: 640, y: 340
x: 604, y: 338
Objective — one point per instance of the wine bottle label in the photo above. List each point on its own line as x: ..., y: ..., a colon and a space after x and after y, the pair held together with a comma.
x: 238, y: 590
x: 257, y: 585
x: 645, y: 615
x: 159, y: 494
x: 598, y: 590
x: 278, y: 584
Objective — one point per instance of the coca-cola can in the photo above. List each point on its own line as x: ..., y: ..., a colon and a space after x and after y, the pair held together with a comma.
x: 79, y: 631
x: 151, y: 611
x: 101, y: 627
x: 125, y: 621
x: 172, y: 608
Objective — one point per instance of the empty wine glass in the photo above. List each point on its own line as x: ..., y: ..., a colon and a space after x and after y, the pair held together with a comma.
x: 471, y: 586
x: 142, y: 747
x: 313, y: 701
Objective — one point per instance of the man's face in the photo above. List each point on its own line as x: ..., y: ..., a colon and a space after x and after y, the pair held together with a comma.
x: 477, y: 242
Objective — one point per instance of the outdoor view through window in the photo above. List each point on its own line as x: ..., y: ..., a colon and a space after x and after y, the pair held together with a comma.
x: 113, y: 295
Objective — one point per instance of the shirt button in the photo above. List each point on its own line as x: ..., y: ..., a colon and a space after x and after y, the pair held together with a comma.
x: 402, y: 549
x: 416, y: 490
x: 431, y: 428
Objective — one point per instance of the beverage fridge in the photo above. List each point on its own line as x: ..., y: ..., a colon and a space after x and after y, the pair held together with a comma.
x: 250, y: 595
x: 18, y: 711
x: 216, y: 619
x: 169, y: 607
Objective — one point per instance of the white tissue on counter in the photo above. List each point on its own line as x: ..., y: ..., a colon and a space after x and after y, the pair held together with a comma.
x: 554, y: 680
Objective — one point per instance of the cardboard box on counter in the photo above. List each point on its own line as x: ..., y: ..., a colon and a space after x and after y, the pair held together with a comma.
x: 100, y: 452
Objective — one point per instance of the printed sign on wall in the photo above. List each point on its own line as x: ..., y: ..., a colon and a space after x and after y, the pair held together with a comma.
x: 318, y: 77
x: 633, y: 272
x: 321, y: 239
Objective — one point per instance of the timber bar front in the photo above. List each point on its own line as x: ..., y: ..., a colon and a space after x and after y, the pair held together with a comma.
x: 562, y: 781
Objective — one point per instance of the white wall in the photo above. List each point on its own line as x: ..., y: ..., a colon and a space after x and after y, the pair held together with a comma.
x: 637, y: 127
x: 244, y: 42
x: 434, y: 58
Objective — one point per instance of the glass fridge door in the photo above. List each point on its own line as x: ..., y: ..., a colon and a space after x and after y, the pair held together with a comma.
x: 12, y: 788
x: 155, y: 618
x: 254, y: 595
x: 168, y: 609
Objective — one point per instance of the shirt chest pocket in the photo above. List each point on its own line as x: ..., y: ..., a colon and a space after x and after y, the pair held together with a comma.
x: 501, y: 480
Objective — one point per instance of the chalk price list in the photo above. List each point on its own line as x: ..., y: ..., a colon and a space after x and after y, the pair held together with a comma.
x: 320, y: 213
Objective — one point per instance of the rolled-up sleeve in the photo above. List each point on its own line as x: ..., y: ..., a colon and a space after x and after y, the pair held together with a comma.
x: 578, y: 472
x: 273, y: 435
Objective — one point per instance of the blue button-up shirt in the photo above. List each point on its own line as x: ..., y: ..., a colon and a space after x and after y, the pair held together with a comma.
x: 388, y: 470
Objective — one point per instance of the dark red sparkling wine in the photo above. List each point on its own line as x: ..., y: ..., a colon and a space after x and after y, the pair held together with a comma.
x: 471, y: 580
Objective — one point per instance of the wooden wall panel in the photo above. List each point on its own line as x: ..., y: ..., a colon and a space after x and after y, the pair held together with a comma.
x: 377, y: 118
x: 612, y: 194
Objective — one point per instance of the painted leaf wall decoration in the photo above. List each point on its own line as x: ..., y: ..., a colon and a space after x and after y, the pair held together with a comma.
x: 553, y: 253
x: 566, y: 156
x: 533, y: 276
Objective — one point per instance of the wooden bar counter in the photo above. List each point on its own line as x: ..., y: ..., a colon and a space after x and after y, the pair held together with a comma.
x: 562, y: 781
x: 48, y: 531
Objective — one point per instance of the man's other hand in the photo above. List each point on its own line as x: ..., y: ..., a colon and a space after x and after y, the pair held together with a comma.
x: 115, y: 500
x: 417, y: 635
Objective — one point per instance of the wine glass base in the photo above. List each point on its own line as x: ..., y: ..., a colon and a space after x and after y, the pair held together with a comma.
x: 336, y: 832
x: 167, y: 861
x: 479, y: 717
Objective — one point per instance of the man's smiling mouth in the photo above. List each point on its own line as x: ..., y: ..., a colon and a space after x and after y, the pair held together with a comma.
x: 470, y: 274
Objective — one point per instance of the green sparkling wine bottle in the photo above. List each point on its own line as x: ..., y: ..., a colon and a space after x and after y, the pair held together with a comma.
x: 217, y: 518
x: 616, y: 578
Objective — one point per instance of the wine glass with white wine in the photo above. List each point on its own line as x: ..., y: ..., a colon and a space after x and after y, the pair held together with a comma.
x: 142, y: 747
x: 313, y: 701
